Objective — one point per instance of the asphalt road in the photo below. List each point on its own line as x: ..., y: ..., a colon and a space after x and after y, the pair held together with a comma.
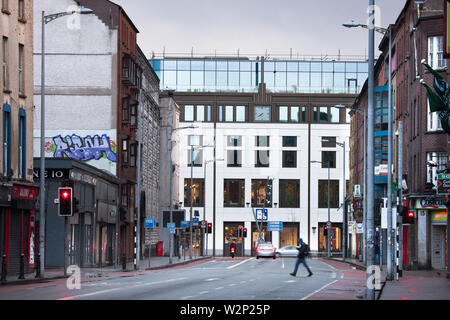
x: 217, y: 279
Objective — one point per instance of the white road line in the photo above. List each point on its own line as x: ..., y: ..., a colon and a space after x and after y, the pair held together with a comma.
x: 238, y: 264
x: 304, y: 298
x: 219, y: 288
x: 204, y: 292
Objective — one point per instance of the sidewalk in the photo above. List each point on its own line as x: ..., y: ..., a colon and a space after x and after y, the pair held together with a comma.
x: 156, y: 263
x: 413, y: 285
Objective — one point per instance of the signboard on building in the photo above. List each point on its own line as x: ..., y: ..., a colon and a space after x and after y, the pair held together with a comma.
x: 149, y: 223
x: 262, y: 214
x: 443, y: 183
x: 274, y: 226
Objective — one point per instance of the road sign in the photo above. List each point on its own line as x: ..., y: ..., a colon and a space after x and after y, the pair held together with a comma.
x: 274, y: 226
x: 262, y: 215
x: 203, y: 224
x: 195, y: 222
x: 171, y: 229
x: 443, y: 183
x: 185, y: 224
x: 149, y: 223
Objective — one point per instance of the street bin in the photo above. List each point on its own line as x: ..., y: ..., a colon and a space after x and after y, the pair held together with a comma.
x: 159, y: 249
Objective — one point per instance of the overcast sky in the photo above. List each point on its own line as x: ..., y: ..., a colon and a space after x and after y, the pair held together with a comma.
x: 253, y: 26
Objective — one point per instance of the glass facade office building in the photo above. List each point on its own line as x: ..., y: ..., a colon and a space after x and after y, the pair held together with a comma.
x: 244, y: 75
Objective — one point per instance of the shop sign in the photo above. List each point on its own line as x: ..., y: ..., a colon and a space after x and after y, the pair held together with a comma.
x: 52, y: 173
x: 359, y: 228
x: 443, y: 183
x: 440, y: 217
x: 24, y: 193
x: 430, y: 203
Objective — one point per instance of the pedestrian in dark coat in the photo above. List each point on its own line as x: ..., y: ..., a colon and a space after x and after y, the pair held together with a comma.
x: 303, y: 250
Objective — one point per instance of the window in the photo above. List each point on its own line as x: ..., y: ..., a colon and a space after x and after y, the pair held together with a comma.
x: 6, y: 139
x: 436, y: 52
x: 124, y: 195
x: 262, y: 141
x: 133, y: 149
x: 22, y: 144
x: 289, y: 159
x: 328, y: 142
x: 436, y: 162
x: 284, y: 114
x: 21, y: 70
x: 323, y: 193
x: 259, y: 187
x: 234, y: 158
x: 5, y: 62
x: 188, y: 113
x: 294, y: 114
x: 229, y: 113
x: 198, y: 192
x: 303, y: 114
x: 201, y: 113
x: 434, y: 122
x: 125, y: 110
x: 234, y: 193
x: 334, y: 114
x: 240, y: 113
x: 197, y: 154
x: 5, y: 5
x: 21, y: 10
x: 234, y: 141
x: 289, y: 193
x: 133, y: 115
x: 323, y: 114
x: 289, y: 141
x: 328, y: 157
x: 262, y: 158
x: 124, y: 152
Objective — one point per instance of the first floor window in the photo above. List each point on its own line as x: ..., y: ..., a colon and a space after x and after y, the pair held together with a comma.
x: 198, y: 192
x: 6, y: 139
x: 289, y: 159
x: 329, y: 159
x: 234, y: 158
x: 259, y: 187
x: 124, y: 152
x: 289, y: 193
x: 262, y: 158
x: 333, y: 192
x: 233, y: 192
x: 124, y: 195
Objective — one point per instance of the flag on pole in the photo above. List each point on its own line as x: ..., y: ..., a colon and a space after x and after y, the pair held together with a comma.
x: 440, y: 98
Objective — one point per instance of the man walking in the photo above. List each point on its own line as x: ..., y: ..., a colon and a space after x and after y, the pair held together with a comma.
x: 303, y: 250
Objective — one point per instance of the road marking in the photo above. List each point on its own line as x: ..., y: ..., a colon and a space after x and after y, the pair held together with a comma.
x: 187, y: 297
x: 304, y: 298
x: 204, y: 292
x: 211, y: 279
x: 219, y: 288
x: 238, y: 264
x: 115, y: 289
x: 290, y: 281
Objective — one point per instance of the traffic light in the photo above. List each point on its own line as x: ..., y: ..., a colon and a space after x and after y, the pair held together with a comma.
x: 325, y: 231
x: 240, y: 232
x: 65, y: 201
x: 409, y: 216
x: 244, y: 232
x: 209, y: 230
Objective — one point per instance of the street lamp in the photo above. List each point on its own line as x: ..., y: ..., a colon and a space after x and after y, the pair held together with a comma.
x: 329, y: 219
x: 386, y: 32
x: 204, y: 200
x: 46, y: 19
x: 190, y: 192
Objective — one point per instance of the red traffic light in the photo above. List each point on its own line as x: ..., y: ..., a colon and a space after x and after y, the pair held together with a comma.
x: 65, y: 194
x: 411, y: 214
x: 65, y: 201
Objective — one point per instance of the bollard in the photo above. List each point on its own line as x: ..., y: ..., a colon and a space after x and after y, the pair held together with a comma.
x: 124, y: 262
x: 22, y: 266
x: 38, y: 265
x: 3, y: 277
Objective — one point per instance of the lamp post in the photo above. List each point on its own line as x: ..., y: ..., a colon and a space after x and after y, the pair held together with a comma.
x: 329, y: 218
x: 386, y: 32
x: 190, y: 193
x: 45, y: 20
x: 204, y: 200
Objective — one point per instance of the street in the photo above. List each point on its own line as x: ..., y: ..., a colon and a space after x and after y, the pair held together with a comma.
x: 213, y: 279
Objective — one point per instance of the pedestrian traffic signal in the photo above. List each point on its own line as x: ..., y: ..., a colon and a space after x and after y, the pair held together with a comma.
x: 245, y: 232
x: 409, y: 216
x: 65, y: 201
x: 240, y: 231
x: 209, y: 230
x: 325, y: 231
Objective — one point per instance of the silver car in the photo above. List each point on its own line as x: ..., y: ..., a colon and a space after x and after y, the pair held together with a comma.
x: 288, y: 251
x: 266, y: 250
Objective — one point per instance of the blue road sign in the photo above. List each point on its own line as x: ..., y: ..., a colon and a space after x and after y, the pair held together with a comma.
x: 260, y: 215
x: 185, y: 224
x: 171, y: 228
x: 274, y: 226
x: 195, y: 222
x: 150, y: 223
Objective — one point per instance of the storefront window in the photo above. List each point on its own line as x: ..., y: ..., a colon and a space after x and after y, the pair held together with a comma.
x: 323, y: 193
x: 259, y: 193
x: 234, y: 192
x: 289, y: 193
x: 198, y: 192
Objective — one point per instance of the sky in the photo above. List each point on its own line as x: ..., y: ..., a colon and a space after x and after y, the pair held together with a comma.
x: 254, y: 27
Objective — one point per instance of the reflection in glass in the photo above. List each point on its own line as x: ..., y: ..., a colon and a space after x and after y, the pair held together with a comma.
x: 294, y: 114
x: 210, y: 79
x: 170, y: 78
x: 283, y: 114
x: 200, y: 113
x: 316, y: 67
x: 304, y: 66
x: 189, y: 113
x: 183, y: 78
x: 222, y: 65
x: 233, y: 65
x: 289, y: 193
x: 334, y: 114
x: 327, y: 66
x: 323, y: 114
x: 280, y: 79
x: 259, y: 194
x: 210, y: 65
x: 197, y: 79
x: 339, y: 67
x: 184, y: 65
x: 240, y: 113
x: 222, y: 79
x: 229, y: 113
x: 197, y: 65
x: 233, y: 79
x: 246, y: 80
x: 292, y: 66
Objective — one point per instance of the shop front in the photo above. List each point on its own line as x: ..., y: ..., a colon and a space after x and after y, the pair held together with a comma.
x: 439, y: 239
x: 266, y: 236
x: 335, y: 237
x: 231, y: 235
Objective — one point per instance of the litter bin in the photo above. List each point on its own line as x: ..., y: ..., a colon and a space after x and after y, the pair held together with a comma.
x: 159, y: 248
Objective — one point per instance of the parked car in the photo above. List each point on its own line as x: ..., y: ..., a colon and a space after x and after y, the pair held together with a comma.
x: 287, y: 251
x: 266, y: 250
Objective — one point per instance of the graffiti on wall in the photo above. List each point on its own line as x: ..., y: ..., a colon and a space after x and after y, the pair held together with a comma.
x: 83, y: 149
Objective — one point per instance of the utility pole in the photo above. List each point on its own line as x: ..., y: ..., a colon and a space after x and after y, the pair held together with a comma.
x: 370, y: 292
x: 400, y: 199
x: 138, y: 193
x: 389, y: 275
